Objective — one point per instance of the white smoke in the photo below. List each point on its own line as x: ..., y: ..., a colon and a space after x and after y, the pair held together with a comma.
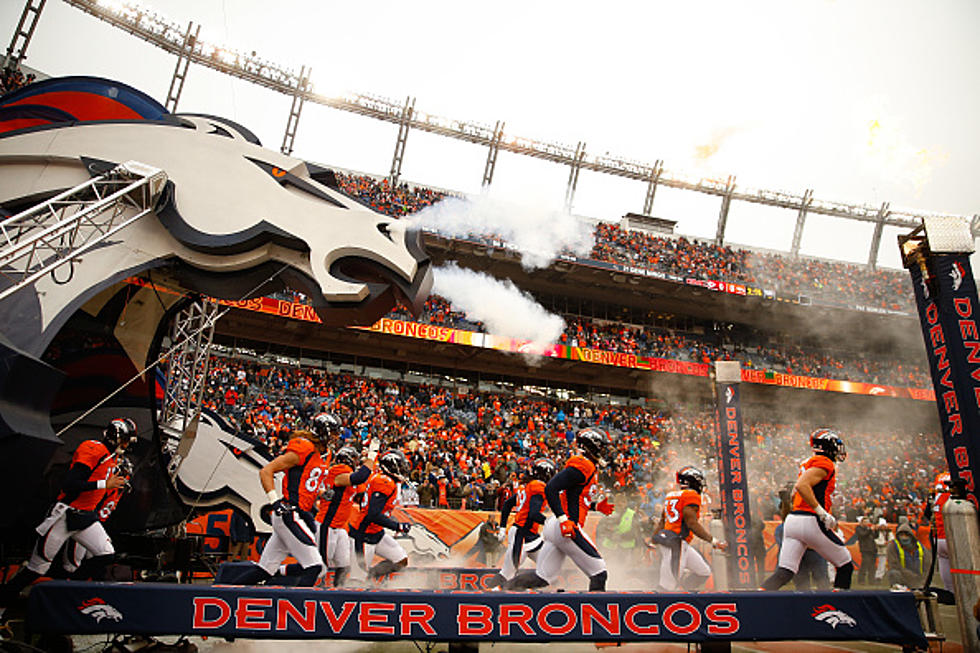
x: 499, y: 304
x: 538, y: 231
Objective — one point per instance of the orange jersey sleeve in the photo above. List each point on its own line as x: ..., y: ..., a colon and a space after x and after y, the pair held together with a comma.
x: 937, y: 510
x: 822, y: 490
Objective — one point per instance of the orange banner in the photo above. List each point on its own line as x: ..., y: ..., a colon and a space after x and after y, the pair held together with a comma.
x: 436, y: 333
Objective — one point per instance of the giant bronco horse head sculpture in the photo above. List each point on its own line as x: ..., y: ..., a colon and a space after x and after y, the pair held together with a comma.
x: 235, y: 220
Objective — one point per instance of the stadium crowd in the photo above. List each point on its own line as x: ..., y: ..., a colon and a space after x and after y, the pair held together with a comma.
x: 12, y: 79
x: 830, y: 281
x: 480, y: 441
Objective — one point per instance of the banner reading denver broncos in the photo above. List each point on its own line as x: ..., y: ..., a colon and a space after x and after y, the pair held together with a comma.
x: 733, y: 485
x: 386, y: 615
x: 948, y: 313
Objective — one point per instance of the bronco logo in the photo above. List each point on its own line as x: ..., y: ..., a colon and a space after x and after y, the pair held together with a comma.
x: 99, y: 610
x: 831, y: 615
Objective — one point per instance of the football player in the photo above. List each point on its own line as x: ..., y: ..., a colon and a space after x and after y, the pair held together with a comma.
x: 679, y: 523
x: 524, y: 536
x: 336, y: 492
x: 293, y: 526
x: 570, y: 495
x: 810, y: 523
x: 74, y: 552
x: 74, y: 515
x: 935, y: 506
x: 368, y: 528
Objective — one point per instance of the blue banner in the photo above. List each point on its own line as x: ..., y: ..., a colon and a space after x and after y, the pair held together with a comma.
x: 948, y: 314
x: 297, y: 613
x: 733, y: 486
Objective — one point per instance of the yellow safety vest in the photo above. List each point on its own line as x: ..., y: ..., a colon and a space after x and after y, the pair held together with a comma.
x: 901, y: 554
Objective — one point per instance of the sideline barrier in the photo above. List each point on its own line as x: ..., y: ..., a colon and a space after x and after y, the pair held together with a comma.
x: 293, y: 613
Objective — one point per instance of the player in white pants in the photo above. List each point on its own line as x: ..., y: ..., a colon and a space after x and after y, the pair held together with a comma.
x: 524, y: 537
x: 74, y: 516
x: 810, y: 525
x: 680, y: 563
x: 570, y: 495
x: 369, y: 534
x: 293, y: 525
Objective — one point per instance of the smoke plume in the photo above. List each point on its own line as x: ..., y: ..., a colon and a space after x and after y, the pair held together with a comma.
x: 538, y: 231
x: 499, y: 304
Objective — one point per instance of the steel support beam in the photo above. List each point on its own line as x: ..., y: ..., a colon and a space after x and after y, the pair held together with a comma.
x: 726, y: 202
x: 60, y: 230
x: 576, y: 167
x: 801, y: 222
x: 403, y: 125
x: 302, y: 86
x: 876, y: 236
x: 17, y: 51
x: 494, y: 148
x: 187, y: 366
x: 655, y: 172
x: 180, y: 69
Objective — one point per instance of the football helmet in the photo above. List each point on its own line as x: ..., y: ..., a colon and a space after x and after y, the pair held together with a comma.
x: 829, y: 443
x: 394, y: 464
x: 592, y: 442
x: 120, y: 432
x: 543, y: 469
x: 326, y: 424
x: 346, y: 456
x: 691, y: 477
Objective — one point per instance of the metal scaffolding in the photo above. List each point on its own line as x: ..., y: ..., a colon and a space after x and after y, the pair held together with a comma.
x: 17, y: 50
x: 61, y: 230
x: 187, y: 367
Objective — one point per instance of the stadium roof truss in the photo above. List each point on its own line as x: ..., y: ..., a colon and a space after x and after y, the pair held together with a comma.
x: 183, y: 43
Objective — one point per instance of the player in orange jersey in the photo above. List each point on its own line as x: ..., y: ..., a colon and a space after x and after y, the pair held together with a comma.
x: 74, y: 552
x: 524, y: 536
x: 293, y: 526
x: 679, y: 523
x: 934, y: 509
x: 74, y: 515
x: 336, y: 492
x: 570, y: 494
x: 810, y: 524
x: 368, y: 531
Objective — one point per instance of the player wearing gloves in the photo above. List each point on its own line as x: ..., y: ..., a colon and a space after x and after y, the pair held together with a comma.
x: 74, y: 552
x: 336, y: 490
x: 679, y: 523
x: 74, y: 516
x: 368, y: 528
x: 810, y: 524
x: 570, y: 495
x: 524, y: 535
x: 293, y: 526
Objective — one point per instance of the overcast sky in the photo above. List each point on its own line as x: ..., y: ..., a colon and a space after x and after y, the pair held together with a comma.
x: 862, y: 101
